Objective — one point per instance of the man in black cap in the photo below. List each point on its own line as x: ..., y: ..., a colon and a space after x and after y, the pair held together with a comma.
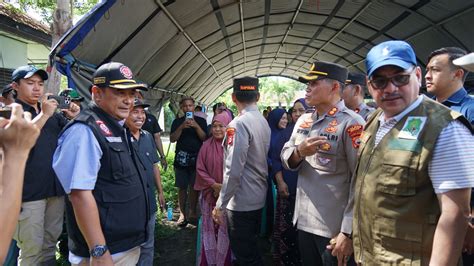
x: 41, y: 217
x: 7, y: 95
x: 353, y: 94
x: 107, y: 211
x: 244, y: 187
x: 323, y: 149
x: 144, y: 144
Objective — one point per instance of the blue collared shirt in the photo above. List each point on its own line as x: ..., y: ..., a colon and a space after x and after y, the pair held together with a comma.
x: 76, y: 160
x: 461, y: 102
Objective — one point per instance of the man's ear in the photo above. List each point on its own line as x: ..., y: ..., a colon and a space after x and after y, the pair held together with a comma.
x: 234, y: 99
x: 358, y: 90
x: 15, y: 85
x: 258, y: 96
x: 459, y: 73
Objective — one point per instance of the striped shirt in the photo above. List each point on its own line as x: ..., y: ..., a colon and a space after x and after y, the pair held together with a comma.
x: 452, y: 164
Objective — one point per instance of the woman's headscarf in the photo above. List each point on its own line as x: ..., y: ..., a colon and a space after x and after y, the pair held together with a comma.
x: 274, y: 152
x: 209, y: 165
x: 303, y: 102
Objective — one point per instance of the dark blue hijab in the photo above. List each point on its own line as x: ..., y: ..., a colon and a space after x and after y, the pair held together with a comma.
x: 276, y: 133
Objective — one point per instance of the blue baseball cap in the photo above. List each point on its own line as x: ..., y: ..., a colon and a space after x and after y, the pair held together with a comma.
x: 396, y: 53
x: 28, y: 71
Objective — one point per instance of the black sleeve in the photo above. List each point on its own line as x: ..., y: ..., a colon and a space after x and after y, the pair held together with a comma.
x: 176, y: 123
x: 203, y: 124
x: 154, y: 127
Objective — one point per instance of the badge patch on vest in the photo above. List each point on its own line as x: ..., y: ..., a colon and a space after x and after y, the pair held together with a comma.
x: 412, y: 127
x: 114, y: 139
x: 307, y: 123
x: 105, y: 130
x: 230, y: 136
x: 354, y: 133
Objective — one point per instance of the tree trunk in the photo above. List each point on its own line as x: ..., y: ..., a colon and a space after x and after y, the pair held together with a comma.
x: 62, y: 21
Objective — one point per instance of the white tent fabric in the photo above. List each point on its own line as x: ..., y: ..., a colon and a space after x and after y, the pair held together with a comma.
x: 196, y: 47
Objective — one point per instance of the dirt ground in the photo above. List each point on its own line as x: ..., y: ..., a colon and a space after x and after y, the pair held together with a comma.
x: 177, y: 246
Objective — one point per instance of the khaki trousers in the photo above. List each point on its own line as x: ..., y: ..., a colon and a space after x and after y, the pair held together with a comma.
x: 39, y: 226
x: 127, y: 258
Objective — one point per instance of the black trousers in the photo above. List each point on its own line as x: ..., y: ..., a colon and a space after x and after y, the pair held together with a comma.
x: 313, y: 250
x: 243, y: 228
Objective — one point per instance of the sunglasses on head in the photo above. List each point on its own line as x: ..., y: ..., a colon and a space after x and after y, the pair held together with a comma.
x: 399, y: 80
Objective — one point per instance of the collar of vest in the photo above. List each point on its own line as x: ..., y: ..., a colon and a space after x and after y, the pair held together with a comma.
x: 112, y: 123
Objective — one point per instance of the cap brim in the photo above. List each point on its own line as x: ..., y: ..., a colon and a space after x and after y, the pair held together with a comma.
x: 40, y: 72
x: 142, y: 105
x: 129, y: 86
x: 306, y: 78
x: 466, y: 62
x: 390, y: 62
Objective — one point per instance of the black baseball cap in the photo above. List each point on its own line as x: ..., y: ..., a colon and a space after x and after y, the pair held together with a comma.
x: 325, y: 70
x: 356, y: 78
x: 28, y: 71
x: 8, y: 88
x: 140, y: 103
x: 116, y: 75
x: 246, y: 84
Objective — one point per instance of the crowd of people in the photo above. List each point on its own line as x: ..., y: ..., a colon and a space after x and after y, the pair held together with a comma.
x: 339, y: 182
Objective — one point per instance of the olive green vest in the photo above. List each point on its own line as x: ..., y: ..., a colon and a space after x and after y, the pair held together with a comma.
x: 396, y: 209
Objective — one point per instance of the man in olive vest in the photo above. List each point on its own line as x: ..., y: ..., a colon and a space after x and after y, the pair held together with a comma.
x: 107, y: 209
x: 415, y: 169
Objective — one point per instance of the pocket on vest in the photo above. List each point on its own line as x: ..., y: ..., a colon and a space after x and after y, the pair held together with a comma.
x: 397, y: 242
x: 120, y: 159
x: 397, y: 175
x: 125, y: 210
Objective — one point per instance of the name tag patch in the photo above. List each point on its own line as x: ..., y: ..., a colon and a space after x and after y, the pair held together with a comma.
x: 114, y: 139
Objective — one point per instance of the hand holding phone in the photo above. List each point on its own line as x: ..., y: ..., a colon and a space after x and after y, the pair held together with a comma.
x: 63, y: 102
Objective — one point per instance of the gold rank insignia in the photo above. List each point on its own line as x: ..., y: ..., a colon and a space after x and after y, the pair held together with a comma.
x: 325, y: 146
x: 333, y: 111
x: 331, y: 129
x: 333, y: 123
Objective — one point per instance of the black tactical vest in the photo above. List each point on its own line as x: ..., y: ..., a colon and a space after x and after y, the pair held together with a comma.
x: 120, y: 190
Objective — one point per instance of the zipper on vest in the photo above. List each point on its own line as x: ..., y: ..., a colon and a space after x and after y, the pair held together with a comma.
x: 361, y: 259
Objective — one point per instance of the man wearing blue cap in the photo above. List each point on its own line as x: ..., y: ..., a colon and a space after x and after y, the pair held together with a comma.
x: 415, y: 169
x: 41, y: 218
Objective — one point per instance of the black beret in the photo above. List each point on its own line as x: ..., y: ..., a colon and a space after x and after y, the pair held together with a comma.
x: 322, y: 70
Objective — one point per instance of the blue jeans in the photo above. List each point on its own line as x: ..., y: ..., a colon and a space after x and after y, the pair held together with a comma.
x: 313, y: 250
x: 147, y: 249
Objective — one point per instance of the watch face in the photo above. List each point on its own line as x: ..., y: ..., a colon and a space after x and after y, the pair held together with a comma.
x: 98, y: 251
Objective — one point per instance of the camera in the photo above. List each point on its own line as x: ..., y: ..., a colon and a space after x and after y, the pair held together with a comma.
x: 63, y: 101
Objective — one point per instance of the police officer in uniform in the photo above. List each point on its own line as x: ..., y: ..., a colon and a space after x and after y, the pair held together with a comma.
x: 107, y: 211
x: 323, y: 149
x: 415, y: 169
x: 353, y: 95
x: 244, y: 187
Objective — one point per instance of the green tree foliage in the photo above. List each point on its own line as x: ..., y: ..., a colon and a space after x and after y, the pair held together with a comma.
x: 45, y: 8
x: 281, y: 91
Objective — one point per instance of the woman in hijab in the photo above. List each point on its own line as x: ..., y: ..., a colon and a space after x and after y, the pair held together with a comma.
x: 215, y: 249
x: 285, y: 242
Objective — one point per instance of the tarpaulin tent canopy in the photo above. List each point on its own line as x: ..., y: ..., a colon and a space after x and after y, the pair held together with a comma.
x: 196, y: 47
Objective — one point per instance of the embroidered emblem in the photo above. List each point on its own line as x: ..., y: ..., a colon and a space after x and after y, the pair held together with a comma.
x: 333, y: 111
x: 323, y: 161
x: 105, y: 130
x: 331, y: 129
x: 230, y: 136
x: 126, y: 72
x: 354, y: 132
x: 325, y: 146
x: 412, y: 127
x: 333, y: 123
x: 307, y: 123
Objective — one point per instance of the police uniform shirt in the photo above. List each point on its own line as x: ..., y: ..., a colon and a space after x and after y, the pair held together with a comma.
x: 246, y: 147
x: 364, y: 110
x: 323, y: 197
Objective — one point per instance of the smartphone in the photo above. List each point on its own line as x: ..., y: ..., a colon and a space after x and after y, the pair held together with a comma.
x: 189, y: 115
x: 6, y: 113
x: 62, y: 101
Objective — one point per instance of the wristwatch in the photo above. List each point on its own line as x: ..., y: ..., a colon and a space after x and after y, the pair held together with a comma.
x: 98, y: 251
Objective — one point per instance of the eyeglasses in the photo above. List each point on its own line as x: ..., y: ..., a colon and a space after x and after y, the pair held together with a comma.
x: 380, y: 83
